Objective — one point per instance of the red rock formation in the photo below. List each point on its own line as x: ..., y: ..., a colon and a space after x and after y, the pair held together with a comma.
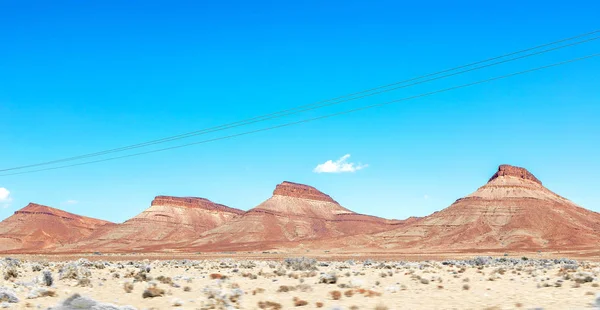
x: 295, y: 213
x: 38, y: 227
x: 169, y: 221
x: 296, y: 190
x: 512, y: 211
x: 508, y: 170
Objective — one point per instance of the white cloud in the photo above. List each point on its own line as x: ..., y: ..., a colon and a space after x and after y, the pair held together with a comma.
x: 339, y: 166
x: 5, y: 198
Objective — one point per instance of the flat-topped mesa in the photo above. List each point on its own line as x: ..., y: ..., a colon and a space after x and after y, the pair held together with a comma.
x: 193, y: 202
x: 508, y: 170
x: 296, y: 190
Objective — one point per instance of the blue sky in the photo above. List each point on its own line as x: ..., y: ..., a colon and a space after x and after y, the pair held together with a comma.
x: 79, y: 77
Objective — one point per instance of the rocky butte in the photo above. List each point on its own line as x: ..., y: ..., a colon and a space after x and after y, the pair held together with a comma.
x: 513, y: 211
x: 295, y: 213
x: 37, y: 227
x: 169, y: 221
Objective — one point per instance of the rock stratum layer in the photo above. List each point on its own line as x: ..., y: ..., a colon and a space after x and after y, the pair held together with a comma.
x: 37, y: 227
x: 512, y: 211
x: 295, y: 213
x: 168, y: 222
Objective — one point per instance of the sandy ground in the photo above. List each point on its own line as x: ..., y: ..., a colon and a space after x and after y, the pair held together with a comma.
x: 484, y: 283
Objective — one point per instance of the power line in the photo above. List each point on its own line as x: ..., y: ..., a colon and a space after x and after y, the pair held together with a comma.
x: 320, y: 117
x: 330, y: 102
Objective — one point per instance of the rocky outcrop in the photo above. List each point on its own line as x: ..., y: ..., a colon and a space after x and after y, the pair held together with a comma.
x: 290, y: 189
x: 518, y: 172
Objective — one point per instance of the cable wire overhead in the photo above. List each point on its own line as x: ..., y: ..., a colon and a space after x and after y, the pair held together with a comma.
x: 340, y: 99
x: 321, y: 117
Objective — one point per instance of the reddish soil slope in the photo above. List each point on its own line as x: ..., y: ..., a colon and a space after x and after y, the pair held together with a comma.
x: 512, y: 211
x: 38, y: 227
x: 293, y: 214
x: 168, y: 221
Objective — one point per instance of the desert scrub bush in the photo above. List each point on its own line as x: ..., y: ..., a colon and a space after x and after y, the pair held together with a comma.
x: 335, y: 295
x: 217, y: 276
x: 285, y: 289
x: 7, y: 295
x: 165, y: 280
x: 187, y: 289
x: 73, y: 271
x: 142, y: 275
x: 299, y: 302
x: 47, y: 278
x: 269, y: 305
x: 153, y: 291
x: 258, y: 290
x: 328, y: 278
x: 128, y: 287
x: 11, y: 272
x: 300, y: 263
x: 84, y: 282
x: 319, y: 304
x: 35, y: 267
x: 219, y: 297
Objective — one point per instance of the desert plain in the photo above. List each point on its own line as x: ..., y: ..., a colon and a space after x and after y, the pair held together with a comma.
x: 116, y: 282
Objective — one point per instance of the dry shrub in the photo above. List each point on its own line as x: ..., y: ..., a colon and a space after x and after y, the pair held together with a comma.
x: 270, y: 305
x: 319, y: 304
x: 128, y: 287
x: 187, y: 289
x: 381, y: 307
x: 152, y: 292
x: 285, y: 289
x: 349, y: 293
x: 299, y: 302
x: 216, y: 276
x: 370, y: 293
x: 84, y: 282
x: 165, y: 280
x: 466, y: 287
x: 335, y: 295
x: 258, y: 290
